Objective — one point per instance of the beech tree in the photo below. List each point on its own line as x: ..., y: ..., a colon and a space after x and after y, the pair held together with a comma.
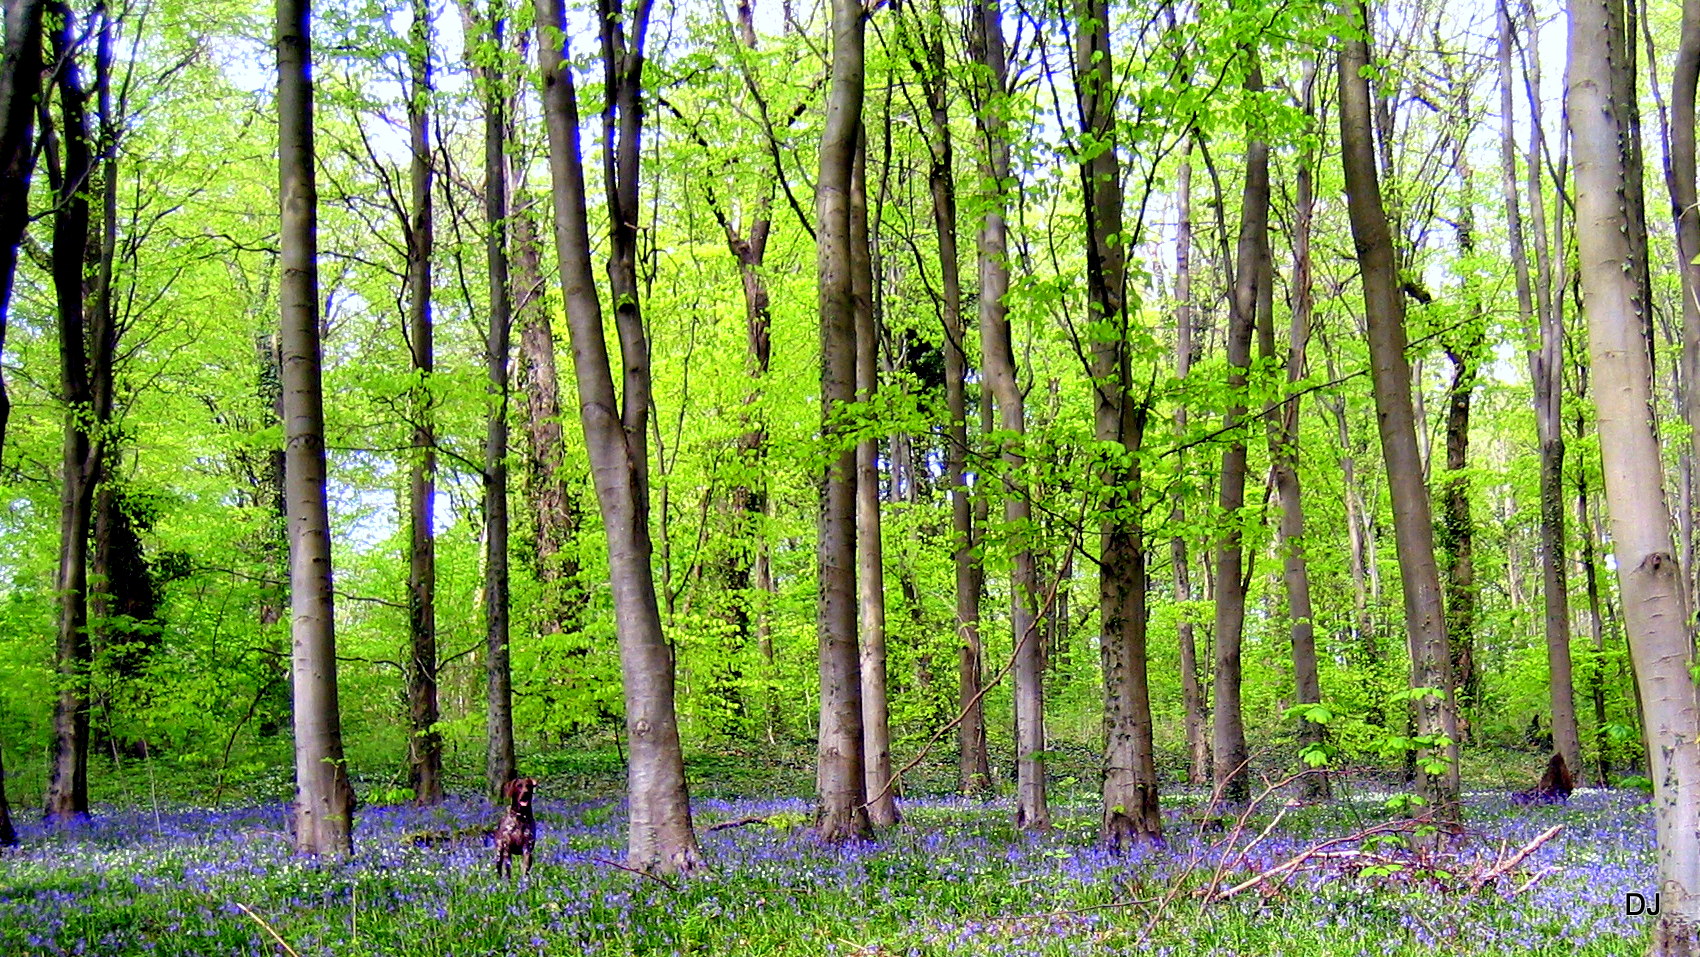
x: 85, y: 376
x: 324, y: 799
x: 1661, y: 636
x: 997, y: 358
x: 926, y: 47
x: 1130, y: 787
x: 840, y: 777
x: 1253, y: 278
x: 661, y: 837
x: 425, y: 746
x: 487, y: 55
x: 1390, y: 373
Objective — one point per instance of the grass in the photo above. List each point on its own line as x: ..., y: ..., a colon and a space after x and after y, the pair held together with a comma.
x: 953, y: 879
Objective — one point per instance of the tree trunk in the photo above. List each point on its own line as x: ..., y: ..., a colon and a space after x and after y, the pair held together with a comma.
x: 20, y: 84
x: 1661, y: 636
x: 842, y: 814
x: 870, y: 550
x: 749, y: 566
x: 272, y: 549
x: 1252, y: 272
x: 549, y: 500
x: 1457, y: 529
x: 1283, y: 435
x: 8, y: 834
x: 661, y: 836
x: 1546, y: 373
x: 425, y: 743
x: 974, y: 773
x: 1413, y: 529
x: 499, y: 762
x: 1596, y: 620
x: 1680, y: 181
x: 998, y: 359
x: 1131, y: 813
x: 1192, y: 689
x: 83, y: 373
x: 1463, y: 352
x: 324, y: 799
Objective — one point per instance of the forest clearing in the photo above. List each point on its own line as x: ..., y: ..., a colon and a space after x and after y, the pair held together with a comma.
x: 875, y: 477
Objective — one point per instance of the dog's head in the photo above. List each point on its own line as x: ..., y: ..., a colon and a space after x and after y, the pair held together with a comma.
x: 519, y: 791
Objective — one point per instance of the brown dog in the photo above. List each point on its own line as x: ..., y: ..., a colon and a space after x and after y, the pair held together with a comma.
x: 517, y: 832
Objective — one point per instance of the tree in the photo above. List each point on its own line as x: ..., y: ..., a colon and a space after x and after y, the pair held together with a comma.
x: 20, y: 78
x: 661, y: 837
x: 1253, y: 274
x: 840, y: 777
x: 1282, y: 430
x: 997, y: 358
x: 488, y: 60
x: 86, y: 345
x: 1680, y: 183
x: 20, y: 82
x: 1192, y: 689
x: 927, y: 58
x: 425, y: 743
x: 1390, y: 376
x: 1131, y: 813
x: 1661, y: 634
x: 324, y: 799
x: 870, y: 551
x: 1546, y: 372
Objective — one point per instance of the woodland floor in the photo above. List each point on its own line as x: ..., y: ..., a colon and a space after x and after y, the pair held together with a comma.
x: 953, y: 879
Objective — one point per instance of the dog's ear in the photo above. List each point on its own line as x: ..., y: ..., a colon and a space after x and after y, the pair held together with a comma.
x: 531, y: 782
x: 510, y: 788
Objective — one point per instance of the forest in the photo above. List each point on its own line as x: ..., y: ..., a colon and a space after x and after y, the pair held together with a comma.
x: 867, y: 477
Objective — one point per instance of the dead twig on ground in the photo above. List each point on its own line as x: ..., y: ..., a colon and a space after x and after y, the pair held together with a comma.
x: 268, y: 929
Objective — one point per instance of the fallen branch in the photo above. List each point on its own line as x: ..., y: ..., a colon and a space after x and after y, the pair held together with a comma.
x: 1532, y: 879
x: 657, y: 878
x: 1509, y: 864
x: 268, y: 929
x: 740, y: 822
x: 1293, y: 864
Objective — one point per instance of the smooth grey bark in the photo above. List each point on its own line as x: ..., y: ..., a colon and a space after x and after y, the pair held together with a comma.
x: 1282, y: 431
x: 1413, y: 526
x: 660, y: 837
x: 1252, y: 273
x: 1195, y: 716
x: 1357, y: 538
x: 324, y: 799
x: 842, y: 813
x: 425, y: 743
x: 1680, y: 182
x: 870, y: 549
x: 1131, y: 813
x: 998, y: 366
x: 488, y: 72
x: 1655, y: 614
x: 974, y: 773
x: 1546, y: 372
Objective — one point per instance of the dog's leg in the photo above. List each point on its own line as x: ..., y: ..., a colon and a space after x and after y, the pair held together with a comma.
x: 528, y: 860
